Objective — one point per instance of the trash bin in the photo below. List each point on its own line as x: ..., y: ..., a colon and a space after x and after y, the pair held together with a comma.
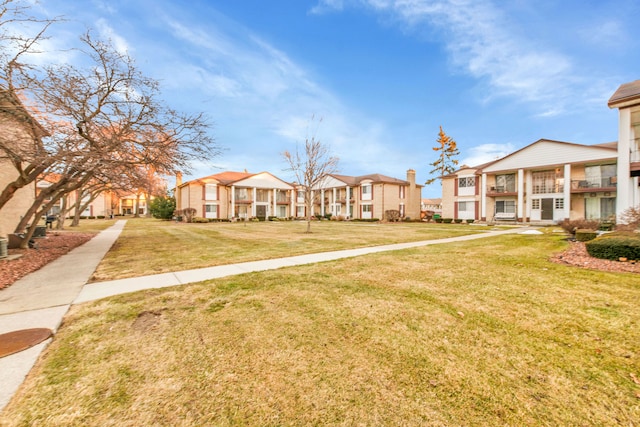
x: 4, y: 244
x: 41, y: 231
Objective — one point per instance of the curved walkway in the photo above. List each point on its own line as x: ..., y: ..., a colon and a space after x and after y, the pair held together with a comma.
x: 41, y: 299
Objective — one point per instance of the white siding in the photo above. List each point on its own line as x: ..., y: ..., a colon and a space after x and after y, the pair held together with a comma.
x: 546, y: 153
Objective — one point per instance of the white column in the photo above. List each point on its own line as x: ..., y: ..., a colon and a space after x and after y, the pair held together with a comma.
x: 253, y: 204
x: 624, y: 190
x: 322, y: 202
x: 520, y: 199
x: 233, y: 202
x: 293, y: 211
x: 333, y: 209
x: 311, y: 204
x: 348, y: 202
x: 483, y: 196
x: 528, y: 190
x: 567, y: 191
x: 275, y: 202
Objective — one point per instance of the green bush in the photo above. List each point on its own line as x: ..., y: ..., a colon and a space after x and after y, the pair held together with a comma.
x: 584, y: 235
x: 438, y: 220
x: 447, y: 220
x: 457, y: 221
x: 615, y: 246
x: 200, y: 220
x: 162, y: 207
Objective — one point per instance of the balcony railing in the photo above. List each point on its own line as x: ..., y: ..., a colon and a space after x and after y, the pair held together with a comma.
x: 501, y: 189
x: 592, y: 184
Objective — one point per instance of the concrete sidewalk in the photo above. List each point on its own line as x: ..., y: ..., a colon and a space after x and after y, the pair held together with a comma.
x: 41, y: 299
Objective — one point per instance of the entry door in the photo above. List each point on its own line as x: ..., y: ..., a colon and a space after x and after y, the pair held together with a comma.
x: 547, y: 209
x: 261, y: 211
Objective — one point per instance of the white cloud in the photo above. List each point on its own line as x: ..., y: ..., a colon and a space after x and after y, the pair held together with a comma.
x: 325, y: 6
x: 486, y: 153
x: 486, y: 44
x: 106, y: 32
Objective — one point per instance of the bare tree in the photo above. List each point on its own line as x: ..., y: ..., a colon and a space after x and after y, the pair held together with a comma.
x: 20, y: 141
x: 111, y: 124
x: 310, y: 168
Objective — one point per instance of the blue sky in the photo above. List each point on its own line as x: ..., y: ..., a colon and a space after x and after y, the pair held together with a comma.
x: 381, y: 75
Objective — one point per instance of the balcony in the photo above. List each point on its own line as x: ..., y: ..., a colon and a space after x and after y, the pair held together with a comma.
x: 499, y: 190
x: 594, y: 185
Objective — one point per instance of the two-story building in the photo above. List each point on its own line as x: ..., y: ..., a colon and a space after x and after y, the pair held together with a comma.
x: 548, y: 181
x: 246, y: 195
x: 368, y: 196
x: 237, y: 195
x: 544, y: 182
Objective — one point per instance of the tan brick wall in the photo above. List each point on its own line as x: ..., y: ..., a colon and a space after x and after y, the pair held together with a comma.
x: 18, y: 205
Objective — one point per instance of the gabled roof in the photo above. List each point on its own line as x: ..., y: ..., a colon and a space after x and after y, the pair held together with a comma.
x: 227, y: 178
x: 627, y: 95
x: 224, y: 178
x: 375, y: 177
x: 547, y: 152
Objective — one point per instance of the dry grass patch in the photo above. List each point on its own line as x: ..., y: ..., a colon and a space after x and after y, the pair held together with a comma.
x: 483, y: 333
x: 181, y: 246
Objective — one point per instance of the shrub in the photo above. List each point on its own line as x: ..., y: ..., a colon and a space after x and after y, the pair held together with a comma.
x: 188, y: 214
x: 457, y: 220
x: 447, y: 220
x: 392, y: 215
x: 631, y: 218
x: 163, y: 207
x: 607, y: 226
x: 584, y: 235
x: 571, y: 225
x: 615, y: 246
x: 438, y: 220
x: 199, y: 220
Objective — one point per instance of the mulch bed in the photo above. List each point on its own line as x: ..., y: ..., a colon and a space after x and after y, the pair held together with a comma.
x: 578, y: 256
x: 56, y: 244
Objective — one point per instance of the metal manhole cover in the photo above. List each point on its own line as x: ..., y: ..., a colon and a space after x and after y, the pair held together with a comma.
x: 13, y: 342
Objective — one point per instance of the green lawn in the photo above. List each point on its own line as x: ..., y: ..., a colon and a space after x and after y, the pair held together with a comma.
x: 481, y: 333
x: 181, y: 246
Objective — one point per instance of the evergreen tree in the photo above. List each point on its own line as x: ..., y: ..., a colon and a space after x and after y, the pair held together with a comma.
x: 446, y: 162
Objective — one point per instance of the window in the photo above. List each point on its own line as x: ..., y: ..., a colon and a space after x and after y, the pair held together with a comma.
x: 601, y: 175
x: 402, y: 191
x: 242, y: 194
x: 401, y: 209
x: 550, y: 181
x: 559, y: 203
x: 506, y: 206
x: 211, y: 192
x: 366, y: 192
x: 367, y: 211
x: 300, y: 211
x: 262, y: 195
x: 607, y: 208
x: 281, y: 196
x: 467, y: 182
x: 241, y: 212
x: 282, y: 212
x: 535, y: 204
x: 506, y: 183
x: 211, y: 211
x: 466, y: 206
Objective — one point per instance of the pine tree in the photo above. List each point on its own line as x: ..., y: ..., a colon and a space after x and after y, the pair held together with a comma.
x: 446, y: 162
